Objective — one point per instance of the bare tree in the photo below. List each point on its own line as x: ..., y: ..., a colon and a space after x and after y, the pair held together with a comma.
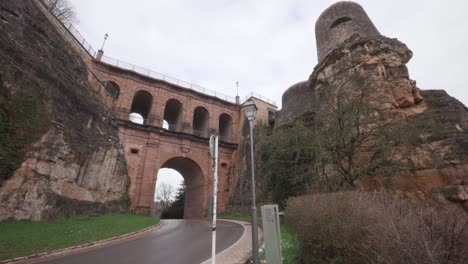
x: 164, y: 194
x: 62, y: 9
x: 356, y: 138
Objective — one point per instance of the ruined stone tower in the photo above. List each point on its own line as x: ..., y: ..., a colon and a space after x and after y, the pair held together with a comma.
x: 349, y: 43
x: 350, y: 46
x: 338, y: 23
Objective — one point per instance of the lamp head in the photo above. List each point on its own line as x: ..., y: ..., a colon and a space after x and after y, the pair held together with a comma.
x: 250, y: 109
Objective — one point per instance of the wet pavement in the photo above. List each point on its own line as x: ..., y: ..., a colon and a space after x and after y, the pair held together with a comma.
x: 176, y: 242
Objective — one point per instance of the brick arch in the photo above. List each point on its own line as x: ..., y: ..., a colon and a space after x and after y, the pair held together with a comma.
x: 173, y: 113
x: 200, y: 121
x: 113, y: 88
x: 196, y: 190
x: 142, y: 102
x: 225, y: 127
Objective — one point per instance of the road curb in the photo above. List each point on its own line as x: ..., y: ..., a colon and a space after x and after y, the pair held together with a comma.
x: 242, y: 223
x: 83, y: 247
x: 239, y: 252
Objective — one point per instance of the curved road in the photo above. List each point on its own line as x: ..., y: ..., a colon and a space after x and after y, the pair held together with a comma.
x: 176, y: 242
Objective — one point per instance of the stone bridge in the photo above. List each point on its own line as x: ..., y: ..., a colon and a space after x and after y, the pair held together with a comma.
x: 163, y: 125
x: 166, y: 123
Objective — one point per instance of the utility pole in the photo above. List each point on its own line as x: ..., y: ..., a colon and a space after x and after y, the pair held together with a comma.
x: 214, y: 157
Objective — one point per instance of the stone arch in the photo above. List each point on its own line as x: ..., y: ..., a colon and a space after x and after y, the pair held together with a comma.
x: 173, y: 114
x: 196, y: 191
x: 112, y: 88
x: 200, y: 122
x: 141, y: 107
x: 225, y: 127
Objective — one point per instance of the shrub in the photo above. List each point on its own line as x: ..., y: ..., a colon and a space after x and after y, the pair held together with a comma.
x: 357, y: 227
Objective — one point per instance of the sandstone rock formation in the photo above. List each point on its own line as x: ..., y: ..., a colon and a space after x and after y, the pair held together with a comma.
x: 76, y: 163
x: 381, y: 60
x: 348, y: 44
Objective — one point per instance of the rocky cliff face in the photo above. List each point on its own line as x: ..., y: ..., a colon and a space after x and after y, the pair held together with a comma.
x: 63, y: 154
x: 382, y: 60
x: 439, y: 159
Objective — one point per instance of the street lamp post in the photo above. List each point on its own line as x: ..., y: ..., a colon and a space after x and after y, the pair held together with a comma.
x: 250, y: 110
x: 104, y: 42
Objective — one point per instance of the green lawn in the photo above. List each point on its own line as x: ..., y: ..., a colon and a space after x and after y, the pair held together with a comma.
x: 22, y: 238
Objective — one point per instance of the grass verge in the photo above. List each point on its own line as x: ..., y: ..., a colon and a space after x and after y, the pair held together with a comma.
x: 22, y: 238
x: 235, y: 216
x: 290, y: 248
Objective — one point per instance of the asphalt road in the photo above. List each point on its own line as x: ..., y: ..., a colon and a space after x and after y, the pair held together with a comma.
x: 176, y: 242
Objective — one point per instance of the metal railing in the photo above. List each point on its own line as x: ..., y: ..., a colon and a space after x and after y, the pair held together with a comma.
x: 138, y: 120
x: 163, y: 77
x: 225, y: 139
x: 173, y: 128
x: 263, y: 98
x: 200, y: 133
x: 73, y: 31
x: 146, y: 72
x: 178, y: 128
x: 186, y: 130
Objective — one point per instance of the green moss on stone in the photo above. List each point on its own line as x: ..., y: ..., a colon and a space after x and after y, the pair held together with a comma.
x: 22, y: 121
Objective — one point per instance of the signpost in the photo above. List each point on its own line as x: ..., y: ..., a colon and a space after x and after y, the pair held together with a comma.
x: 214, y: 157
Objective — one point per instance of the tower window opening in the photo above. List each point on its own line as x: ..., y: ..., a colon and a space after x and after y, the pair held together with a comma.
x: 340, y: 21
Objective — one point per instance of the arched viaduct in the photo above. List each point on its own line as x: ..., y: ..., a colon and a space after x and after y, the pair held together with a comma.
x: 162, y: 125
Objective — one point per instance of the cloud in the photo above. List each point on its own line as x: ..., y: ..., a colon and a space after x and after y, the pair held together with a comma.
x: 268, y: 45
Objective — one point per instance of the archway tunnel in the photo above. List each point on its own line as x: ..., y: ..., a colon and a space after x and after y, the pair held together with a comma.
x: 196, y: 196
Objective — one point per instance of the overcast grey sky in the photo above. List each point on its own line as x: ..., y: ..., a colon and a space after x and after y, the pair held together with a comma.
x: 269, y: 45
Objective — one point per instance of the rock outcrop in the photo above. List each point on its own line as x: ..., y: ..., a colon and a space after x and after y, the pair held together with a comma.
x: 438, y: 160
x: 74, y: 163
x: 383, y: 62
